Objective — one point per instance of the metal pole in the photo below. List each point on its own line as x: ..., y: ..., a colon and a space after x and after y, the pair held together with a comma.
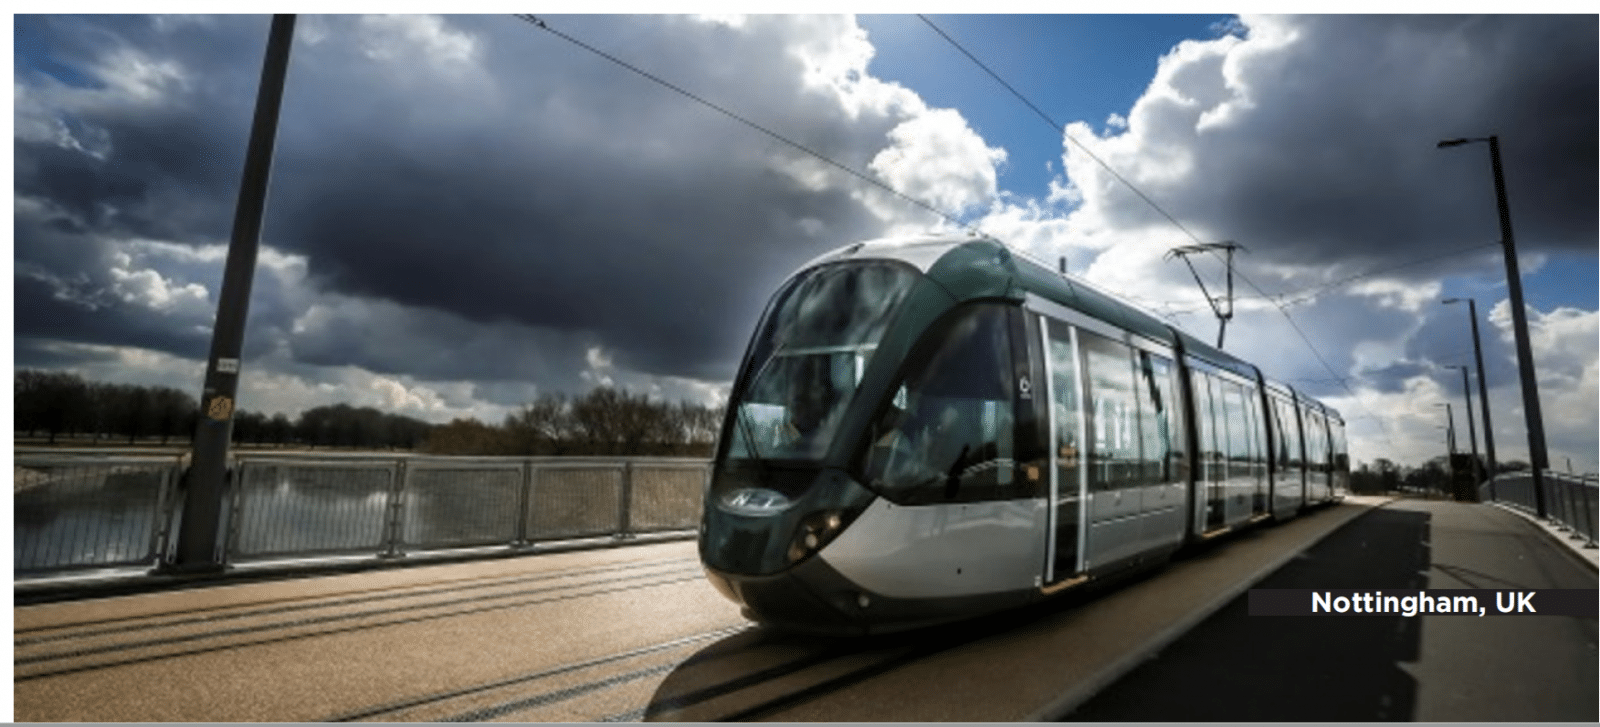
x: 1472, y: 433
x: 1450, y: 463
x: 1538, y: 457
x: 1483, y: 397
x: 1519, y: 319
x: 202, y: 508
x: 1223, y: 329
x: 1588, y: 511
x: 1450, y: 436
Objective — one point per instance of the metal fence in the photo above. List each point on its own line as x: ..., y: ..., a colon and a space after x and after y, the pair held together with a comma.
x: 78, y: 512
x: 1571, y: 502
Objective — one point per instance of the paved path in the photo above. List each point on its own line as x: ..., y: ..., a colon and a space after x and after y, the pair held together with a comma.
x: 1235, y: 667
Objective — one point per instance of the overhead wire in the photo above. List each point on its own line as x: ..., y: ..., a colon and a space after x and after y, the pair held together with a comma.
x: 1062, y: 130
x: 1310, y: 293
x: 1058, y: 127
x: 947, y: 216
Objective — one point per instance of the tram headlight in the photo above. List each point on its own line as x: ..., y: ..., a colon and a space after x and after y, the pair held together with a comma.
x: 815, y: 531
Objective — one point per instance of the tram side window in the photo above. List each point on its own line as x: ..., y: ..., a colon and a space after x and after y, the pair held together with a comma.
x: 1154, y: 419
x: 1341, y: 455
x: 1324, y: 456
x: 1257, y: 435
x: 1309, y: 422
x: 1230, y: 443
x: 1114, y: 448
x: 947, y: 434
x: 1281, y: 426
x: 1177, y: 466
x: 1064, y: 401
x: 1316, y: 443
x: 1207, y: 429
x: 1291, y: 425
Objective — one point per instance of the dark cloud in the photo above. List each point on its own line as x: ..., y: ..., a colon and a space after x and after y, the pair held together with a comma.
x: 48, y: 353
x: 1329, y: 154
x: 526, y: 181
x: 100, y: 321
x: 476, y: 211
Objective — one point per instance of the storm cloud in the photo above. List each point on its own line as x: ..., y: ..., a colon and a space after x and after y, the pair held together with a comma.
x: 468, y: 211
x: 1311, y: 141
x: 477, y: 174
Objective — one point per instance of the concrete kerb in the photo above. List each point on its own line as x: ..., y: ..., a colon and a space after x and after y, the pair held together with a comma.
x: 1087, y: 688
x: 1590, y: 557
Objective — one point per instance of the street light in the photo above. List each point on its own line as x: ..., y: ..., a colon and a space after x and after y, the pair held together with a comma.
x: 1450, y: 445
x: 1483, y: 391
x: 1519, y: 324
x: 1450, y: 432
x: 1472, y: 434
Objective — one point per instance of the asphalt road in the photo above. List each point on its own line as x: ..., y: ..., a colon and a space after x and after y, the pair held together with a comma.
x: 1236, y: 667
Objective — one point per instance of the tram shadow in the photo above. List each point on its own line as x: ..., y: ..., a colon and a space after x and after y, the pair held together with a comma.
x: 1235, y: 667
x: 760, y: 672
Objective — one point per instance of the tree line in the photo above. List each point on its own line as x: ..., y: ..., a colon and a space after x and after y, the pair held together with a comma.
x: 54, y: 403
x: 1435, y: 475
x: 605, y: 421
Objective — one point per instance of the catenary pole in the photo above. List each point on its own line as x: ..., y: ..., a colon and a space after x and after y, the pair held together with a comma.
x: 199, y: 549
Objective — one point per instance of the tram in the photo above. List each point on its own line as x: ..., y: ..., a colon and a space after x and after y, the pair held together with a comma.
x: 930, y: 428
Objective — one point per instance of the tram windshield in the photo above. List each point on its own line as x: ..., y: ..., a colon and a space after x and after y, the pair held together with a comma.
x: 810, y: 356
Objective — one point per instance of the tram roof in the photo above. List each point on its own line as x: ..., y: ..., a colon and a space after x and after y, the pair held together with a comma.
x: 957, y: 251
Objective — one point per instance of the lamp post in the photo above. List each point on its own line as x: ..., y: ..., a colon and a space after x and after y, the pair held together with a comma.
x: 1450, y: 442
x: 1483, y: 391
x: 1450, y: 431
x: 1519, y: 323
x: 1472, y: 434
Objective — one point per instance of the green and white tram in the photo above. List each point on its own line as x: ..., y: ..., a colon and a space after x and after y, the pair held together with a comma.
x: 925, y: 429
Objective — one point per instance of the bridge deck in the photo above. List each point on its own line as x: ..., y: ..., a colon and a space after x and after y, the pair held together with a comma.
x: 637, y: 633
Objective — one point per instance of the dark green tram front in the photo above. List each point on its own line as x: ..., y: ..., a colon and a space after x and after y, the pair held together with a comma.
x: 880, y: 464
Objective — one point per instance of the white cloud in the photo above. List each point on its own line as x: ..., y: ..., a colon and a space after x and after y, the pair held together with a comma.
x: 1287, y: 141
x: 149, y: 289
x: 936, y: 157
x: 395, y: 37
x: 1566, y: 354
x: 137, y: 76
x: 1406, y: 295
x: 1272, y: 139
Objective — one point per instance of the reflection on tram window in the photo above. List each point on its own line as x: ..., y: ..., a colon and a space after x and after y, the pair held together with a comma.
x: 1114, y: 447
x: 948, y: 434
x: 814, y: 347
x: 1064, y: 396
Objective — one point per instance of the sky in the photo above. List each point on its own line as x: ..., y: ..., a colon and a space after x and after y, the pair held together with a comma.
x: 467, y: 212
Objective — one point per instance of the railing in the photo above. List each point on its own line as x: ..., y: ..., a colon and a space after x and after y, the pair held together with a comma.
x: 81, y: 512
x: 90, y: 511
x: 1571, y: 502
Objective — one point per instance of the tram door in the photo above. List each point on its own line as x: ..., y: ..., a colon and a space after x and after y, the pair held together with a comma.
x: 1064, y: 554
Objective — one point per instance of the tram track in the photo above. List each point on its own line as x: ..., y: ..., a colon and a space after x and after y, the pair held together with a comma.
x: 62, y: 661
x: 746, y: 673
x: 405, y: 710
x: 173, y: 619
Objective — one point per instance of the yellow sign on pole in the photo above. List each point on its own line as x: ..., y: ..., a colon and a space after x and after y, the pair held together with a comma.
x: 220, y: 408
